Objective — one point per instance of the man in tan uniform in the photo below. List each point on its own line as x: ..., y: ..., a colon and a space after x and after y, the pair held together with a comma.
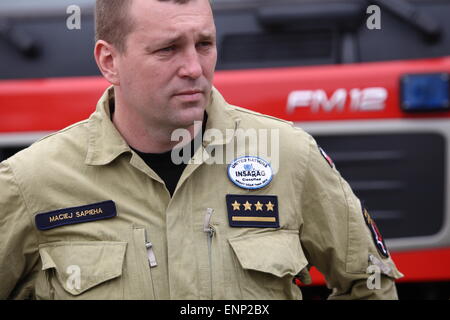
x: 88, y: 213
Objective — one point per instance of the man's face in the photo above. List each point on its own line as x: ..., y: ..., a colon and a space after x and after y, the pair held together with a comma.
x: 167, y: 70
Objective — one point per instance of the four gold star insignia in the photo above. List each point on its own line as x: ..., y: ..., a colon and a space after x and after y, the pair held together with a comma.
x: 248, y: 206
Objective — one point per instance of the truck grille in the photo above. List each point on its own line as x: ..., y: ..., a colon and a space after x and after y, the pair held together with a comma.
x: 399, y: 177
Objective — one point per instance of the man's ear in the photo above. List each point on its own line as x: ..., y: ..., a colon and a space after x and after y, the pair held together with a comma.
x: 106, y: 57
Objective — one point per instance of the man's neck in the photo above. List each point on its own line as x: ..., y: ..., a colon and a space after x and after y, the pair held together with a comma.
x: 147, y: 137
x: 150, y: 139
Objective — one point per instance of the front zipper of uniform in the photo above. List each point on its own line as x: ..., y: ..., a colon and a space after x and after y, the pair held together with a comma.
x: 209, y: 230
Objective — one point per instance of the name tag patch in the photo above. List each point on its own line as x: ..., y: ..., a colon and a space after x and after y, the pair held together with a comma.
x: 252, y: 211
x: 62, y: 217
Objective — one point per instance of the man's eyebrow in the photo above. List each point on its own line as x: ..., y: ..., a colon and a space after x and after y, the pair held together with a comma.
x: 207, y: 35
x: 169, y: 40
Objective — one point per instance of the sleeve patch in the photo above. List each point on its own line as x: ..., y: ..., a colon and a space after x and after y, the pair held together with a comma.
x: 326, y: 157
x: 376, y: 235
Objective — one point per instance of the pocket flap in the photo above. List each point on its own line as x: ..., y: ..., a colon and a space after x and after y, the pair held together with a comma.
x: 80, y: 266
x: 278, y: 252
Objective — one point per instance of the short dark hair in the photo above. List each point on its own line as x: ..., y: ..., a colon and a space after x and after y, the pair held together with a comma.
x: 112, y: 21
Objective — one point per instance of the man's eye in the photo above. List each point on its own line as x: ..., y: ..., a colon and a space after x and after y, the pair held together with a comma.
x: 167, y: 49
x: 205, y: 44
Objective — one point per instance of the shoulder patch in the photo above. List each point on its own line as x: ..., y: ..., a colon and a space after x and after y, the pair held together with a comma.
x: 91, y: 212
x: 326, y: 157
x: 376, y: 235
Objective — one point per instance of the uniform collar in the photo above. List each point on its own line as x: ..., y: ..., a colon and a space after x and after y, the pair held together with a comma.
x: 106, y: 143
x: 220, y: 117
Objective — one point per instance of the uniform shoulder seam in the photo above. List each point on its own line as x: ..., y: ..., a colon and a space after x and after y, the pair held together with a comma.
x: 255, y: 113
x: 72, y: 126
x: 307, y: 167
x: 22, y: 197
x: 16, y: 181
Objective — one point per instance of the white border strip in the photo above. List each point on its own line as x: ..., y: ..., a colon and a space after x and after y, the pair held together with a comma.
x: 19, y: 139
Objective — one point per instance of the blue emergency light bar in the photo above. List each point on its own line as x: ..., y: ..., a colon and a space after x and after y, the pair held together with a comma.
x: 425, y: 92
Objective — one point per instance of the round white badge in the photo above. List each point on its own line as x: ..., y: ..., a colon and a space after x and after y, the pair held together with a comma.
x: 250, y: 172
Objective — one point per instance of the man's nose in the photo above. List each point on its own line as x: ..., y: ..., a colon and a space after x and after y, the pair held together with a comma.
x: 190, y: 65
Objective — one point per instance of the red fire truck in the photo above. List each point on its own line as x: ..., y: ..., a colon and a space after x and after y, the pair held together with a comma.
x: 375, y: 97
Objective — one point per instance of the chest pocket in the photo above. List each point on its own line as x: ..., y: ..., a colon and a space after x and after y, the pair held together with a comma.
x: 268, y: 262
x: 85, y: 270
